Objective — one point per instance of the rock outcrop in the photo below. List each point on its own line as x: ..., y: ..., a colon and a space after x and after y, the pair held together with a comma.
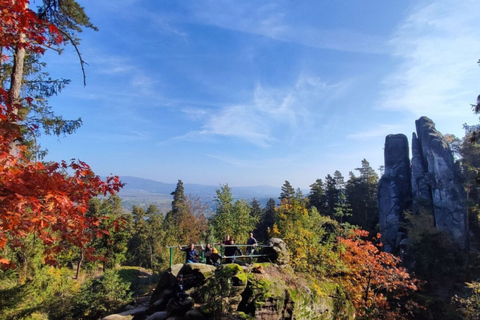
x: 394, y: 192
x: 276, y: 252
x: 429, y: 184
x: 447, y: 193
x: 267, y: 291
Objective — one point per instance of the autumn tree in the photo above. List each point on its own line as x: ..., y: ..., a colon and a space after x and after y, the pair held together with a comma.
x: 56, y: 24
x: 307, y: 235
x: 373, y: 280
x: 47, y: 200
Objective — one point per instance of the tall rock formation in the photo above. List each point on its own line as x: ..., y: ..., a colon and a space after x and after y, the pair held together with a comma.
x: 394, y: 193
x: 430, y: 183
x: 440, y: 178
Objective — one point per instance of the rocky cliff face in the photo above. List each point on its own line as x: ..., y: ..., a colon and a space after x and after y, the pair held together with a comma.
x: 447, y: 193
x: 430, y: 183
x: 394, y: 191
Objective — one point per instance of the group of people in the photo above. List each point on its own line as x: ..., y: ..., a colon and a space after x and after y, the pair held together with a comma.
x: 212, y: 255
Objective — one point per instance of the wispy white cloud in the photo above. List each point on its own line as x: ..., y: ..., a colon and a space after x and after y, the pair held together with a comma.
x: 438, y: 48
x: 115, y: 69
x: 272, y: 115
x: 379, y: 131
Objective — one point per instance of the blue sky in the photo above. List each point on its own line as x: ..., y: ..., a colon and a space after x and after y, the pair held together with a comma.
x: 259, y: 92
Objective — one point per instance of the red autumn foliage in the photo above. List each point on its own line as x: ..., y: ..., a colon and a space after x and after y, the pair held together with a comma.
x: 49, y: 200
x: 374, y: 281
x: 20, y: 26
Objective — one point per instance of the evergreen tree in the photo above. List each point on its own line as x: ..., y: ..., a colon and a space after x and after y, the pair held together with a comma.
x: 332, y: 194
x: 23, y: 72
x: 361, y: 193
x: 112, y: 246
x: 186, y: 222
x: 179, y: 202
x: 288, y: 192
x: 339, y: 180
x: 138, y: 245
x: 266, y: 221
x: 300, y: 197
x: 256, y: 210
x: 342, y: 209
x: 152, y: 210
x: 316, y: 197
x: 232, y: 218
x: 159, y: 253
x: 176, y: 215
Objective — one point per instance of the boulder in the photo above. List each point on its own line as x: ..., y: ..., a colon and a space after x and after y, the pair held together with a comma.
x: 194, y: 314
x: 161, y: 315
x: 118, y: 317
x: 277, y: 252
x: 167, y: 281
x: 394, y: 192
x: 195, y: 274
x: 179, y: 308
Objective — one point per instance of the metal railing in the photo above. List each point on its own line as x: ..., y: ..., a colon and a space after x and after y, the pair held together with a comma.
x: 221, y: 252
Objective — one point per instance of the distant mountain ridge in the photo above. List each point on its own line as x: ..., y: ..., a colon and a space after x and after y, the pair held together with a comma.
x: 143, y: 192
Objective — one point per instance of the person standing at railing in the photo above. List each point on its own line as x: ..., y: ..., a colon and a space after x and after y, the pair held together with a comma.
x: 227, y: 240
x: 252, y: 243
x: 190, y: 253
x: 230, y: 251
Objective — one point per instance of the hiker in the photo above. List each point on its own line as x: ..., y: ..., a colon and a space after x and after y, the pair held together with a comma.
x: 211, y: 255
x: 227, y: 240
x: 252, y: 243
x: 179, y: 290
x: 190, y: 253
x: 230, y: 251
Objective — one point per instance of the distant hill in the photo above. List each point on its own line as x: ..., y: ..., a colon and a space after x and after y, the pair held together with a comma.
x: 143, y: 192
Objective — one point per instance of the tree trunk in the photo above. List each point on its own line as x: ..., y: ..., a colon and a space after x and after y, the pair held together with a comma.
x: 79, y: 265
x: 17, y: 77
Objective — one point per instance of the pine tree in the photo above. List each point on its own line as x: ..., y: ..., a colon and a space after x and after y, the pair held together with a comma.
x: 184, y: 224
x: 231, y: 217
x: 266, y: 221
x: 288, y: 192
x: 138, y: 245
x: 256, y: 210
x: 361, y: 193
x: 30, y: 86
x: 316, y: 197
x: 331, y: 195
